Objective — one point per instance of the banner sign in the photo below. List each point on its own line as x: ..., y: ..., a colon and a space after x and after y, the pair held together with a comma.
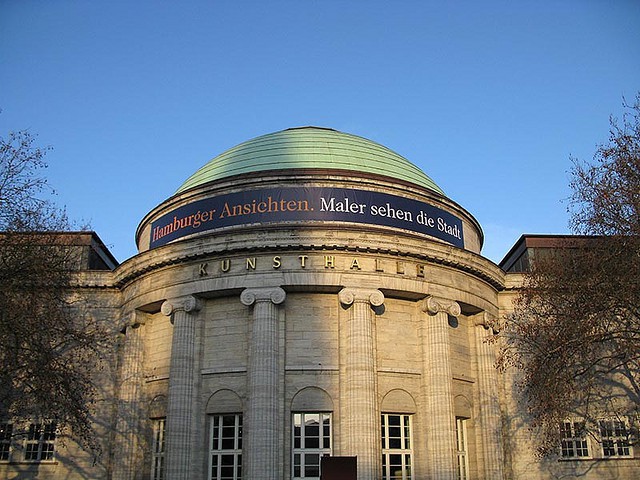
x: 298, y: 204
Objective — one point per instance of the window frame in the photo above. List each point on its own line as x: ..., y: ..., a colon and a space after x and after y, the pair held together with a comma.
x: 6, y: 441
x: 302, y: 450
x: 46, y: 437
x: 405, y: 450
x: 462, y: 448
x: 217, y: 428
x: 574, y: 443
x: 618, y: 440
x: 158, y: 449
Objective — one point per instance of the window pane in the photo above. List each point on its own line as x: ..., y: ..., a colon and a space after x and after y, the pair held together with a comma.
x: 394, y: 443
x: 312, y: 431
x: 215, y: 435
x: 312, y: 465
x: 47, y: 452
x: 50, y: 431
x: 31, y: 452
x: 311, y: 442
x: 34, y: 432
x: 227, y: 444
x: 6, y: 430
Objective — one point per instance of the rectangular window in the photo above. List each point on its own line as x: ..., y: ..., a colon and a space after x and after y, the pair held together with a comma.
x: 461, y: 448
x: 157, y: 452
x: 574, y: 441
x: 225, y: 447
x: 6, y: 432
x: 40, y: 443
x: 311, y: 440
x: 615, y: 438
x: 397, y: 453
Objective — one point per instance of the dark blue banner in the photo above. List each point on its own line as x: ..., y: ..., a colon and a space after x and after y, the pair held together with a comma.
x: 301, y: 204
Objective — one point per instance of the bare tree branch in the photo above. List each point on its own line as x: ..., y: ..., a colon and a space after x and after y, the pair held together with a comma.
x: 575, y: 330
x: 49, y: 346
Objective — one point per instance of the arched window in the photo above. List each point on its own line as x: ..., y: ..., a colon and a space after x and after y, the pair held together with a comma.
x: 224, y: 410
x: 398, y: 408
x: 311, y: 426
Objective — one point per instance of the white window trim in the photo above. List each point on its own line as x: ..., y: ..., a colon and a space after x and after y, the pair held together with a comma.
x: 303, y: 450
x: 214, y: 421
x: 158, y: 466
x: 7, y: 441
x: 40, y: 442
x: 403, y: 450
x: 614, y: 438
x: 575, y: 438
x: 462, y: 448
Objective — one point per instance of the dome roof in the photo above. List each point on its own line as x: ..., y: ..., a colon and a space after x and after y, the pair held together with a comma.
x: 309, y: 148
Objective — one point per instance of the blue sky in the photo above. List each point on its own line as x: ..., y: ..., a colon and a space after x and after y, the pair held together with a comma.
x: 490, y: 99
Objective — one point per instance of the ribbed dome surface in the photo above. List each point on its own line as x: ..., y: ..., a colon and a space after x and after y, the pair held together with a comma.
x: 306, y: 148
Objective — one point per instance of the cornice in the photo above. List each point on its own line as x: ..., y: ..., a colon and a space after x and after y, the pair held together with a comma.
x: 95, y: 279
x: 190, y: 251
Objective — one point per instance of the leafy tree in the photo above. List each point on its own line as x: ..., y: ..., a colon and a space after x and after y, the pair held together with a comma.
x: 49, y: 345
x: 575, y: 330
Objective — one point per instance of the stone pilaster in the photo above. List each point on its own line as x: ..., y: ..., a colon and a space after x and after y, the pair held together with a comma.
x: 183, y: 394
x: 361, y: 420
x: 490, y: 418
x: 438, y: 388
x: 127, y: 441
x: 262, y: 425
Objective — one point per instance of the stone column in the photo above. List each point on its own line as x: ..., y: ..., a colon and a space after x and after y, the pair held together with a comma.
x: 127, y: 440
x: 262, y: 425
x: 438, y: 389
x: 182, y: 398
x: 361, y: 420
x: 490, y: 418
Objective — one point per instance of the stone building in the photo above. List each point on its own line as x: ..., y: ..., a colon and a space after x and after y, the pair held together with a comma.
x: 308, y: 293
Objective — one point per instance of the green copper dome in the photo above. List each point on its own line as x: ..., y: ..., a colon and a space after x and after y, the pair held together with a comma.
x: 310, y: 148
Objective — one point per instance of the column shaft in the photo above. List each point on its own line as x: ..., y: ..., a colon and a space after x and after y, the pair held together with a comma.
x: 180, y: 439
x: 438, y: 389
x: 129, y: 403
x: 490, y: 417
x: 361, y: 422
x: 263, y: 423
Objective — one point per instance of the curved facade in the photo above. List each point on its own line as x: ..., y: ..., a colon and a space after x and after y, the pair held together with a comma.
x: 308, y: 296
x: 320, y: 301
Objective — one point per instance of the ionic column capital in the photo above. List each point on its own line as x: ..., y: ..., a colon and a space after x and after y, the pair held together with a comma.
x: 275, y: 295
x: 434, y: 305
x: 349, y: 296
x: 135, y: 319
x: 486, y: 321
x: 187, y: 304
